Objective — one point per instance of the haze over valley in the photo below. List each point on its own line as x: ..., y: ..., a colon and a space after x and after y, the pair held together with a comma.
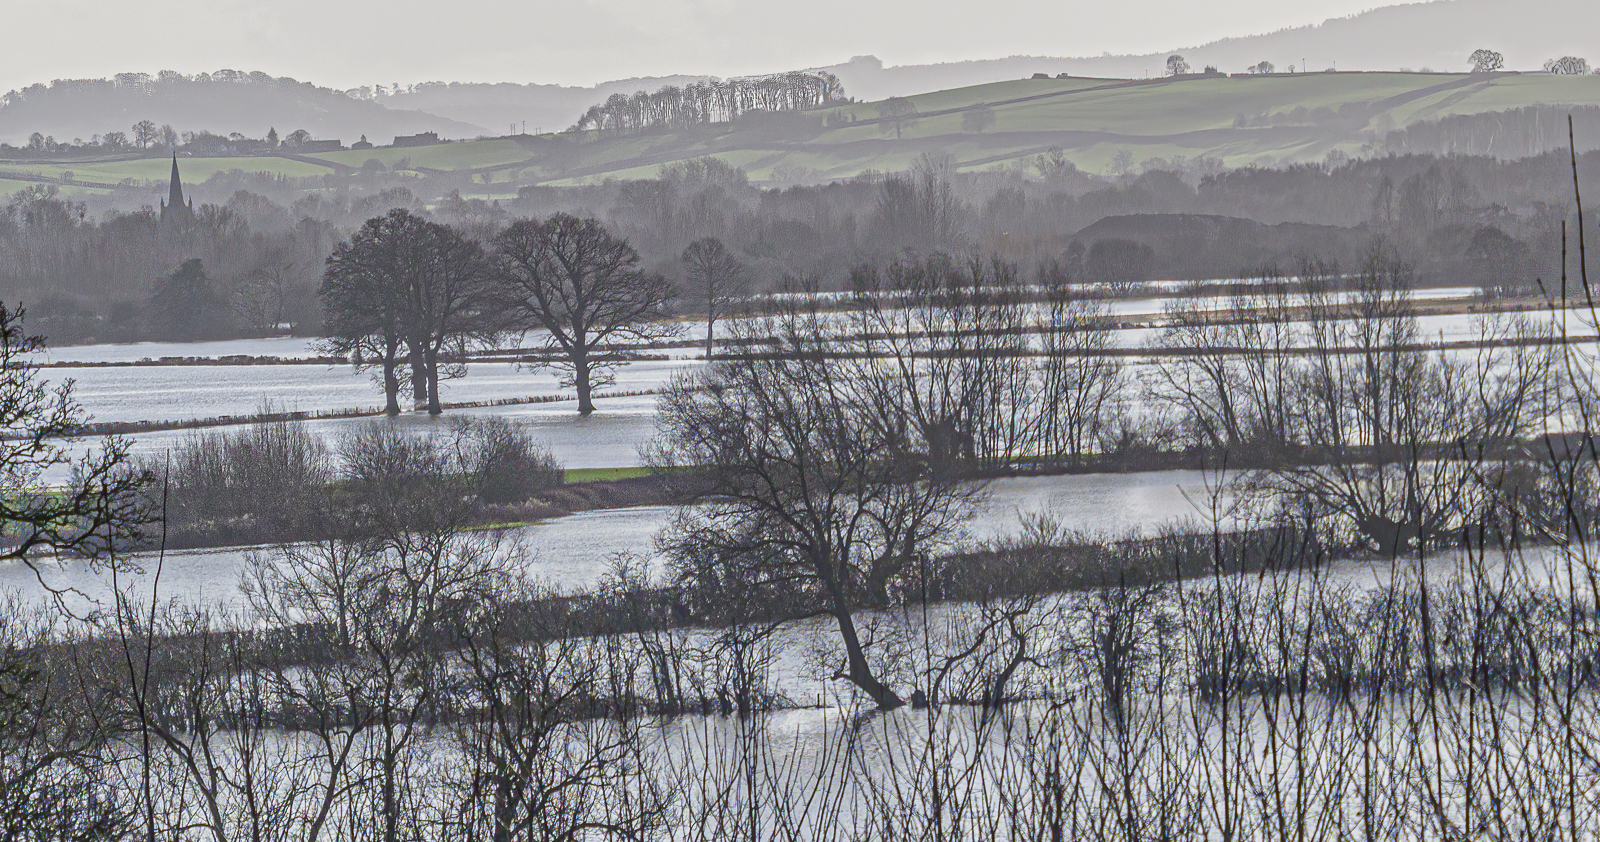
x: 780, y: 442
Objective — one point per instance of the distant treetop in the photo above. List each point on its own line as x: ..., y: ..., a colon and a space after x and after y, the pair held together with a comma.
x: 1486, y: 61
x: 712, y: 101
x: 1567, y: 66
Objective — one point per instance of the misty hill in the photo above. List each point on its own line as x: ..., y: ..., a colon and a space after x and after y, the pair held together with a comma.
x: 1107, y: 126
x: 222, y: 102
x: 542, y: 107
x: 1099, y: 125
x: 1437, y: 35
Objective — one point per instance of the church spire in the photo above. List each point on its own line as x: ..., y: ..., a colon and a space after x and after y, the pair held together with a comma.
x: 175, y: 193
x: 174, y: 209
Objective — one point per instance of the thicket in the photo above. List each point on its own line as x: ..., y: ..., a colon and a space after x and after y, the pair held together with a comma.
x: 280, y: 481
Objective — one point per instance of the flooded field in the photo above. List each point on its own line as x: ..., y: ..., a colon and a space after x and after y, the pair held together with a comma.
x: 576, y: 551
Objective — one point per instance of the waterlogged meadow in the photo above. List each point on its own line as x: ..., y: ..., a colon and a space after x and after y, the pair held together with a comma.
x: 911, y: 583
x: 1320, y: 702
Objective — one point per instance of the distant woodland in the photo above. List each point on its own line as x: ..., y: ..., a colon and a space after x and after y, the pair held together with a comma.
x: 90, y: 272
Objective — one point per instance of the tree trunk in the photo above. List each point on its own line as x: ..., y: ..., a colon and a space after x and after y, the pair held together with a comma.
x: 419, y: 377
x: 711, y: 321
x: 431, y: 363
x: 391, y: 386
x: 860, y: 673
x: 580, y: 378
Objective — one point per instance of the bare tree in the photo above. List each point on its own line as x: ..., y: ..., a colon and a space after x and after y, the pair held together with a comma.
x: 819, y: 491
x: 954, y: 331
x: 920, y: 209
x: 1486, y: 61
x: 1404, y: 447
x: 101, y: 510
x: 977, y: 118
x: 583, y: 286
x: 364, y: 308
x: 1081, y: 380
x: 717, y: 275
x: 899, y: 112
x: 404, y: 279
x: 540, y: 766
x: 57, y: 729
x: 263, y: 296
x: 1176, y: 65
x: 144, y: 133
x: 1567, y: 66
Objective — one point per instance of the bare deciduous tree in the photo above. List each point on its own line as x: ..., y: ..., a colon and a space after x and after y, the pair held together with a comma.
x: 101, y: 510
x: 1567, y: 66
x: 899, y: 113
x: 1486, y: 61
x: 820, y: 490
x: 718, y: 276
x: 580, y: 284
x: 402, y: 280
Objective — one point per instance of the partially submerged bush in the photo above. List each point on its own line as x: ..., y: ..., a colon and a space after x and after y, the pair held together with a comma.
x: 280, y: 481
x: 503, y: 462
x: 264, y: 473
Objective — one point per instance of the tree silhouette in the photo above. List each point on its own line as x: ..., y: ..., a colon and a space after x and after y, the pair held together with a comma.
x: 582, y: 285
x: 717, y: 275
x: 977, y: 118
x: 1567, y: 66
x: 402, y: 280
x: 1486, y: 61
x: 899, y: 112
x: 183, y: 306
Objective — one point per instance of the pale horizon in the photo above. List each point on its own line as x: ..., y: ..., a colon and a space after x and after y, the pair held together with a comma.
x: 493, y: 41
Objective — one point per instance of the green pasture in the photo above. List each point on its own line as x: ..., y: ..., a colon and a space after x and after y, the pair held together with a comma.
x: 1092, y: 120
x: 10, y: 186
x: 604, y: 474
x: 462, y: 155
x: 158, y: 170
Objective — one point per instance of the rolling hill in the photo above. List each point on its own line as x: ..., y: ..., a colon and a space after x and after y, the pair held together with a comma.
x: 1438, y: 35
x: 227, y: 101
x: 1241, y: 121
x: 1097, y: 124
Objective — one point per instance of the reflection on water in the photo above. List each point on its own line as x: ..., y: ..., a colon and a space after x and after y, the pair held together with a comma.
x: 1097, y: 504
x: 567, y: 553
x: 167, y: 393
x: 577, y: 550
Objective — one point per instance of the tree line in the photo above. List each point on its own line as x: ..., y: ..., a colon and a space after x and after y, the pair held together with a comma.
x: 87, y: 269
x: 711, y: 101
x: 146, y: 136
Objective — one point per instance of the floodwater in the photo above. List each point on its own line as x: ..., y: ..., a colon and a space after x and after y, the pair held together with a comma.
x: 577, y: 551
x: 567, y: 553
x: 171, y: 393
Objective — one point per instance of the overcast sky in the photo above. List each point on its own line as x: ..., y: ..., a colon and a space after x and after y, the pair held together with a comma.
x: 347, y: 43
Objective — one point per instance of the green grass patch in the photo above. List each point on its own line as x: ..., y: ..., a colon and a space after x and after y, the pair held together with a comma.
x: 465, y: 155
x: 605, y: 474
x: 1094, y: 119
